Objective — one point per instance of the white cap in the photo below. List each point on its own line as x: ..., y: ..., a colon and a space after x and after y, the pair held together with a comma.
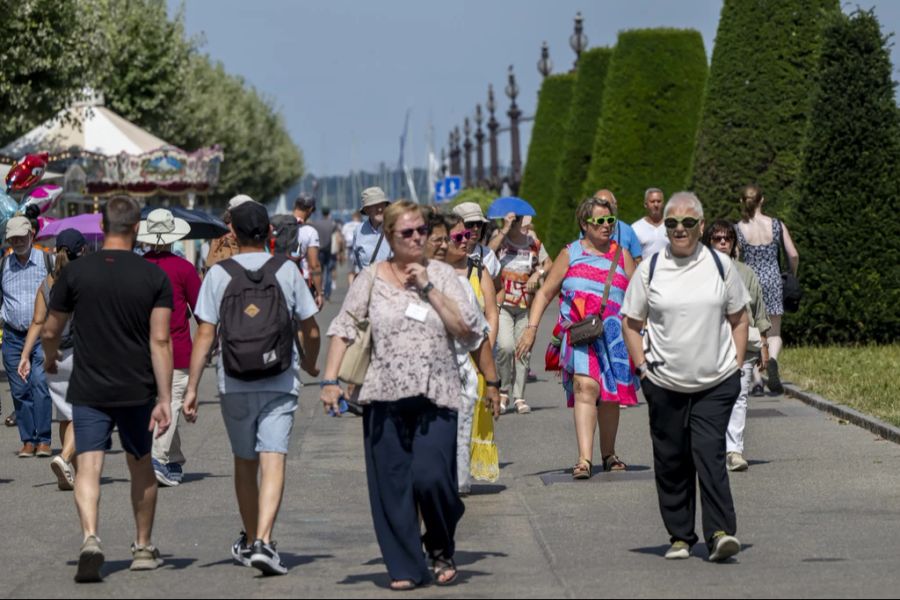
x: 238, y: 200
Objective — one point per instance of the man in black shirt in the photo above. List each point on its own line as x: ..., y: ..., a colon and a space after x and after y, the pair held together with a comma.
x: 122, y: 374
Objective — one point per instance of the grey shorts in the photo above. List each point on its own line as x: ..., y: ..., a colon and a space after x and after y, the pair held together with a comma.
x: 259, y: 422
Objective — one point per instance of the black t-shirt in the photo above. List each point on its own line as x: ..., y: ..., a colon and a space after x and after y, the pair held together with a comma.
x: 111, y: 293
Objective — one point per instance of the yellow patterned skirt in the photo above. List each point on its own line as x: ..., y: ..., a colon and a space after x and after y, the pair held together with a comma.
x: 485, y: 458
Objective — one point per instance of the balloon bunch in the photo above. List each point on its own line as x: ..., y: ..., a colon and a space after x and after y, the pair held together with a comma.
x: 23, y: 175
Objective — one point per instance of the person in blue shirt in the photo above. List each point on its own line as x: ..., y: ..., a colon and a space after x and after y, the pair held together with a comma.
x: 624, y: 235
x: 368, y: 245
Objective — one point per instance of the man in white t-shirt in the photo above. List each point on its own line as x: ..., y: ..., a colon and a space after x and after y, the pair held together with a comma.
x: 650, y: 231
x: 258, y: 414
x: 307, y: 253
x: 694, y: 304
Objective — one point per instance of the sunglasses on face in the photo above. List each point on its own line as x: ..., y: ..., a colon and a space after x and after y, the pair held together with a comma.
x: 463, y: 236
x: 473, y: 225
x: 718, y: 239
x: 408, y: 233
x: 607, y: 220
x: 688, y: 222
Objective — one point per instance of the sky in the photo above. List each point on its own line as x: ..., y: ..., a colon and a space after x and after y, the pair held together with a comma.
x: 344, y: 73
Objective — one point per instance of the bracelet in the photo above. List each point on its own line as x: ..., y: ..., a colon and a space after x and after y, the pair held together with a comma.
x: 531, y: 326
x: 327, y: 382
x: 493, y: 384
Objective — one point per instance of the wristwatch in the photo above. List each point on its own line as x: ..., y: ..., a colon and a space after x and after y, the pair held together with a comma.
x: 493, y: 384
x: 325, y: 383
x: 426, y: 290
x: 642, y: 369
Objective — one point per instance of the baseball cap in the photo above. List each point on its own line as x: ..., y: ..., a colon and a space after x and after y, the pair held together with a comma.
x: 238, y: 200
x: 469, y: 212
x: 72, y: 240
x: 373, y: 196
x: 18, y: 226
x: 250, y: 221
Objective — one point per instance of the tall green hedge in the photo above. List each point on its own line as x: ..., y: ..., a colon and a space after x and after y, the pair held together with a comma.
x: 539, y: 178
x: 578, y: 147
x: 846, y: 224
x: 757, y: 102
x: 651, y: 108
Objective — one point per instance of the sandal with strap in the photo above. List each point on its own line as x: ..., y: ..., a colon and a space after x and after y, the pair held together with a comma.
x: 583, y: 469
x: 613, y: 464
x: 403, y: 585
x: 441, y: 567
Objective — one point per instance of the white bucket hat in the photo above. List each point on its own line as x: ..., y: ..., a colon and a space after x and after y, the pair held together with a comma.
x: 162, y: 228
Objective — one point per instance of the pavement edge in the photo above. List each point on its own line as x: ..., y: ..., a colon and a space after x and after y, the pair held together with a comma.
x: 876, y: 426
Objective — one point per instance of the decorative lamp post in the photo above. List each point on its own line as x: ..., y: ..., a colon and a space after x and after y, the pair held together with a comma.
x: 545, y: 65
x: 443, y: 162
x: 467, y: 146
x: 455, y: 151
x: 578, y: 41
x: 493, y: 126
x: 512, y: 92
x: 479, y: 143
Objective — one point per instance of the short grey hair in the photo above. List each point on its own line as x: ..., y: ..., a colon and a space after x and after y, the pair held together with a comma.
x: 684, y: 198
x: 653, y: 191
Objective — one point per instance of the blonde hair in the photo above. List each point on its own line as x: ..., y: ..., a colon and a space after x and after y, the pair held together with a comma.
x: 396, y: 210
x: 751, y: 199
x: 61, y: 260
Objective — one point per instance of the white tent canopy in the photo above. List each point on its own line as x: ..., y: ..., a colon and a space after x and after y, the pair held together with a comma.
x: 89, y: 126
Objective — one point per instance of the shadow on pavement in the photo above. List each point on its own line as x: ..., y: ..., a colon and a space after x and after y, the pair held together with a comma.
x: 2, y: 481
x: 487, y: 490
x: 698, y: 551
x: 597, y: 470
x: 111, y: 567
x: 191, y: 477
x: 290, y: 560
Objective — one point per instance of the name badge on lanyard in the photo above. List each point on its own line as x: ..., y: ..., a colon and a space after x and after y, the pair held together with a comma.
x: 417, y: 312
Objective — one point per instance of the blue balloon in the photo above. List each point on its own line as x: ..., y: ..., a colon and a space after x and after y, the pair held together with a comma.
x: 8, y: 208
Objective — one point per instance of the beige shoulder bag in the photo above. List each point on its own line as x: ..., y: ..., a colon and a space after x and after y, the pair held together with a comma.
x: 359, y: 354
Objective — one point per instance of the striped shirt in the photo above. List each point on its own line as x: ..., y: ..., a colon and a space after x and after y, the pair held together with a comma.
x: 20, y: 285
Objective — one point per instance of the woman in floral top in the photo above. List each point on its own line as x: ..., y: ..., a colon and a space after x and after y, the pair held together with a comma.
x: 411, y: 395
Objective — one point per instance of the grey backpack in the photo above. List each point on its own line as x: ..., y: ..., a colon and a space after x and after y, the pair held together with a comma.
x: 256, y: 327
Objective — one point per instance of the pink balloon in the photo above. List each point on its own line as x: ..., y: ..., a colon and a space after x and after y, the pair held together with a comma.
x: 44, y: 197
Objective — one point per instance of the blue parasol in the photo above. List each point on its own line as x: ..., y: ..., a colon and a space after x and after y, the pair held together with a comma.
x: 203, y: 225
x: 510, y: 204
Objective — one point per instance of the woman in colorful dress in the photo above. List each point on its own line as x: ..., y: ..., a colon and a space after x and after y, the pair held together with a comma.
x: 598, y: 377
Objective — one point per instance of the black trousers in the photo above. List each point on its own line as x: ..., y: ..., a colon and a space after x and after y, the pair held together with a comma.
x: 410, y: 467
x: 688, y: 432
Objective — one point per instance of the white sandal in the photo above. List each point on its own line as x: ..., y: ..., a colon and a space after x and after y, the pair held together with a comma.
x: 521, y: 407
x: 504, y: 403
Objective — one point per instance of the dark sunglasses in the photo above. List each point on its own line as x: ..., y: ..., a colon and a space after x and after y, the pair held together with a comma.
x: 718, y: 239
x: 408, y: 233
x: 459, y: 238
x: 688, y: 222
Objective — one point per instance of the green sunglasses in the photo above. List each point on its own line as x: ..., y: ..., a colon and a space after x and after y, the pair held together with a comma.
x: 607, y: 220
x: 688, y: 222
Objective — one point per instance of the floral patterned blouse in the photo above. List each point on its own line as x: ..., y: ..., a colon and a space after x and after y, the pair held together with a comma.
x: 409, y: 358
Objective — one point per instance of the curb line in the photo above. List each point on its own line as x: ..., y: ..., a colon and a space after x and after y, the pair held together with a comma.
x: 876, y: 426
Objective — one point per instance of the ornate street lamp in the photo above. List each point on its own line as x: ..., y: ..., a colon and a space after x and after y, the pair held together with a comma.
x: 455, y: 151
x: 578, y: 41
x: 479, y: 143
x: 467, y: 146
x: 512, y: 92
x: 493, y: 126
x: 545, y: 65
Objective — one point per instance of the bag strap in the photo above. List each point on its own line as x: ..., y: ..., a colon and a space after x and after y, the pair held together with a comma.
x: 655, y: 258
x: 232, y: 267
x: 375, y: 254
x: 719, y: 265
x: 609, y: 278
x: 653, y: 261
x: 274, y: 264
x: 782, y: 251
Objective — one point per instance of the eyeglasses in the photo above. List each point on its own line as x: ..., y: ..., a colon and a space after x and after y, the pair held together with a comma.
x: 473, y: 224
x: 463, y: 236
x: 718, y: 239
x: 607, y: 220
x: 439, y: 241
x: 687, y: 222
x: 408, y: 233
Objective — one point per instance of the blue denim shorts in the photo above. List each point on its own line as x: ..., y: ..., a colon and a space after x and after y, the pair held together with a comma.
x: 259, y: 422
x: 94, y: 427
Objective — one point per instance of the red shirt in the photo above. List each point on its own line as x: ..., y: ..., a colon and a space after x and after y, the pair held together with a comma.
x: 185, y: 289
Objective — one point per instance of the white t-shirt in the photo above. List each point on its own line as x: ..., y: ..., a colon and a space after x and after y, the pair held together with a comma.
x: 686, y: 309
x: 488, y: 259
x: 307, y: 237
x: 300, y: 303
x: 652, y: 238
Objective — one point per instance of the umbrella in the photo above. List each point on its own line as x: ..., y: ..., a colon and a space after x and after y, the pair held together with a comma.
x: 88, y: 224
x: 203, y: 225
x: 510, y: 204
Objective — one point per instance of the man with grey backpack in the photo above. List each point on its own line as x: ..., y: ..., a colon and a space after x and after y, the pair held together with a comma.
x: 261, y: 305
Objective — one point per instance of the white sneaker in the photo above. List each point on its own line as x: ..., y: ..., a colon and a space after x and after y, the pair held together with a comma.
x: 65, y: 475
x: 678, y: 551
x: 724, y: 546
x: 734, y: 461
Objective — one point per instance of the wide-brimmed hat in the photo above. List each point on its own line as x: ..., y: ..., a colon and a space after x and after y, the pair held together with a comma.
x: 469, y: 212
x: 374, y: 196
x: 162, y: 228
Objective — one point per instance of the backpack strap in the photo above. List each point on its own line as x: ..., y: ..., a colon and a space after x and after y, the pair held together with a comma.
x: 274, y: 264
x: 653, y: 260
x: 719, y: 265
x: 231, y: 266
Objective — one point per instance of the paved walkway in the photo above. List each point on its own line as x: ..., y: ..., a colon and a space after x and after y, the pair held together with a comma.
x: 818, y: 513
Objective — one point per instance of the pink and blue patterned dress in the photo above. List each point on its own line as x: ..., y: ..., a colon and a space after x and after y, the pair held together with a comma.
x: 606, y: 360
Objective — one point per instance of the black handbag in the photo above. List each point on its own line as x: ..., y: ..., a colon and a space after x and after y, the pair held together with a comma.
x: 590, y: 329
x: 791, y: 292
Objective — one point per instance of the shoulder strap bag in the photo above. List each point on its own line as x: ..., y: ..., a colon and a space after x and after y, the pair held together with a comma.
x: 356, y: 359
x: 589, y: 330
x: 791, y: 292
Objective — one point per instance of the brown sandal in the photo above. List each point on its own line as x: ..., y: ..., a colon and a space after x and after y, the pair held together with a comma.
x: 583, y: 469
x: 442, y: 567
x: 403, y: 585
x: 612, y: 463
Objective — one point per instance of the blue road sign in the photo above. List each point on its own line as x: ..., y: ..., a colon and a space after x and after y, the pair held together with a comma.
x: 447, y: 189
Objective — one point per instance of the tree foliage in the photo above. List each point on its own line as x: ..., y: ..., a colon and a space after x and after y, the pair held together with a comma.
x: 846, y: 226
x: 758, y: 100
x: 482, y: 198
x: 539, y: 178
x: 651, y: 109
x: 578, y: 146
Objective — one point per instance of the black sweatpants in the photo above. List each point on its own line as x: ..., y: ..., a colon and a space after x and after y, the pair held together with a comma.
x: 688, y: 432
x: 411, y: 464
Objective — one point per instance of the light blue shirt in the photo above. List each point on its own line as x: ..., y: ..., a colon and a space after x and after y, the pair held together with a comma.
x: 625, y: 236
x: 20, y: 286
x: 363, y: 247
x: 300, y: 304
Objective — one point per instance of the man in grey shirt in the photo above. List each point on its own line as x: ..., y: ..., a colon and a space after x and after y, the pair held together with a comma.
x: 326, y: 228
x: 368, y: 245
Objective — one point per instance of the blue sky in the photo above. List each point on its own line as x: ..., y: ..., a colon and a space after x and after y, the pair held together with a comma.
x: 344, y: 72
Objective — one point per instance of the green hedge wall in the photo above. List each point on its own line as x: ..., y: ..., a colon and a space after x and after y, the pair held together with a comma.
x: 756, y: 111
x: 539, y: 178
x: 584, y: 116
x: 845, y: 225
x: 651, y: 108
